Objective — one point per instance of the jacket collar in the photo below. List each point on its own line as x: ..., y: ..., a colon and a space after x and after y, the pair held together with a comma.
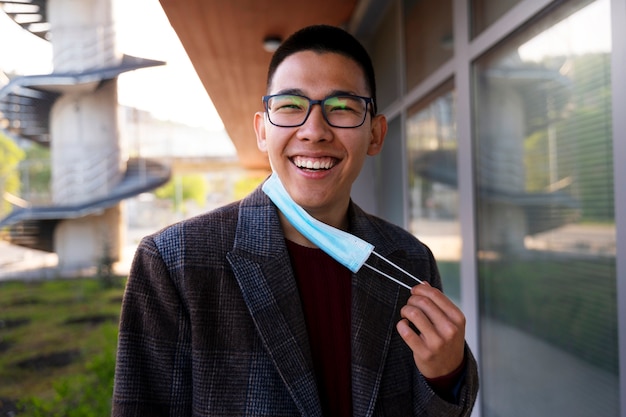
x: 262, y: 267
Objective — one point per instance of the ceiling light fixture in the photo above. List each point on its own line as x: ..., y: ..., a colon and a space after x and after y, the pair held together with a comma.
x: 271, y: 43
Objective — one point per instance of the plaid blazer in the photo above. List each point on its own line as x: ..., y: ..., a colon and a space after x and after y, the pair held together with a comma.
x: 211, y: 324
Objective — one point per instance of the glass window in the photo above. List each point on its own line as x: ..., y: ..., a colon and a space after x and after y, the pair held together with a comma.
x: 485, y: 12
x: 433, y: 193
x: 385, y: 52
x: 428, y: 38
x: 390, y: 174
x: 545, y: 218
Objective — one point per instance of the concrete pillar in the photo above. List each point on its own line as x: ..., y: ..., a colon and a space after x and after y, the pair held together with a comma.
x: 86, y: 160
x: 82, y: 34
x: 85, y: 145
x: 501, y: 168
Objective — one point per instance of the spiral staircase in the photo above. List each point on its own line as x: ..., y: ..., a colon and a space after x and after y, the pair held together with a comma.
x: 31, y: 15
x: 25, y: 107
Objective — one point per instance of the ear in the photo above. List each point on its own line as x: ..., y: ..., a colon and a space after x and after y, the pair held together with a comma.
x: 259, y: 129
x: 378, y: 132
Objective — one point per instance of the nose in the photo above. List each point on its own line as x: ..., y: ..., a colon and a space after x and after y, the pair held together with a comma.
x: 315, y: 128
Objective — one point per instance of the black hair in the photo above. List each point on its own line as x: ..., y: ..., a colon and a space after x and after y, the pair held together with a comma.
x: 326, y: 38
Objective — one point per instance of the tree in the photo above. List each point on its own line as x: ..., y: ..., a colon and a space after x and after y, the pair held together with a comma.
x: 182, y: 188
x: 10, y: 157
x: 39, y: 172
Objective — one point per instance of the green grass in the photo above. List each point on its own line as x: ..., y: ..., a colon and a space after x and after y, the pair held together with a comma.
x: 569, y: 302
x: 75, y: 318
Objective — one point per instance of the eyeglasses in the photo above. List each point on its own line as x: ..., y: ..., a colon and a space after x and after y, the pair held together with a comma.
x: 292, y: 110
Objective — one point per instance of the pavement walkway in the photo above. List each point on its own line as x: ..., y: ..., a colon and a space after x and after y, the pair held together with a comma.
x: 18, y: 263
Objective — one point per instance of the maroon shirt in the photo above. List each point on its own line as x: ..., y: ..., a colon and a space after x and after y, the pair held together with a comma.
x: 325, y: 291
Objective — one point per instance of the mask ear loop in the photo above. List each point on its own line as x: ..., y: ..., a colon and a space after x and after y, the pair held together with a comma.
x: 419, y: 281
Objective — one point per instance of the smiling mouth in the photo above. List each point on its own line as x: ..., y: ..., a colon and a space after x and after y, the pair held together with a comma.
x: 315, y: 164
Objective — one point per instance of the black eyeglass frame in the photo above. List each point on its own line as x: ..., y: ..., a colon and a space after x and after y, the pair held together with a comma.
x: 369, y: 105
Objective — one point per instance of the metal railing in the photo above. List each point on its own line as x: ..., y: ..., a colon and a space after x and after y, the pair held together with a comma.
x: 100, y: 179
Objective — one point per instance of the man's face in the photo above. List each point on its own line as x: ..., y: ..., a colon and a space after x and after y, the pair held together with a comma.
x: 318, y: 163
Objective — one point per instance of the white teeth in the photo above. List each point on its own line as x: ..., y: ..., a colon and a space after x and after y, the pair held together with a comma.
x: 324, y: 163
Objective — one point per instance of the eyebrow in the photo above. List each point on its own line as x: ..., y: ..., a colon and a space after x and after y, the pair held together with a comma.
x: 295, y: 91
x: 299, y: 92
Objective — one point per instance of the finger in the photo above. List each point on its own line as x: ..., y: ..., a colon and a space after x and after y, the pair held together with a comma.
x: 440, y: 300
x: 428, y: 344
x: 416, y: 316
x: 423, y: 310
x: 435, y: 325
x: 409, y: 333
x: 437, y: 346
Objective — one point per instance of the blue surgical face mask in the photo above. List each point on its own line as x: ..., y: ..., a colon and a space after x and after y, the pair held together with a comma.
x: 349, y: 250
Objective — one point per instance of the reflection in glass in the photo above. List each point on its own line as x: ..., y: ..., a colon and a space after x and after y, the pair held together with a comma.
x: 428, y: 38
x: 433, y: 195
x: 545, y: 220
x: 486, y: 12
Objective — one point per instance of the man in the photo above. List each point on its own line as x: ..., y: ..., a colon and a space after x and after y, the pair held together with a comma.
x: 236, y: 313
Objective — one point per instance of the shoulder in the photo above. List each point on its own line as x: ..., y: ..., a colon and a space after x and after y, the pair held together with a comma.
x: 215, y: 230
x: 384, y: 235
x: 219, y: 222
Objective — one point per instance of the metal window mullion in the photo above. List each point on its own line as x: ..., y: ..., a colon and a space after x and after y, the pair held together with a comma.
x: 469, y: 279
x: 401, y: 66
x: 618, y: 89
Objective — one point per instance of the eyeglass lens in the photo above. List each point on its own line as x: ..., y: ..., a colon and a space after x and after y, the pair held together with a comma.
x: 339, y: 111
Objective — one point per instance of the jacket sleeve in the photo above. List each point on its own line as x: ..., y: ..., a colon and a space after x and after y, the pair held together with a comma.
x: 153, y: 369
x: 429, y: 403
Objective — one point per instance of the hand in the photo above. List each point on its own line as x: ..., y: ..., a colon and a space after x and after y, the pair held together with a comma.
x: 438, y: 345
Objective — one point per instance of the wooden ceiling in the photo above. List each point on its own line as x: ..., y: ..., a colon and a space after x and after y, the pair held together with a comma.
x: 224, y: 40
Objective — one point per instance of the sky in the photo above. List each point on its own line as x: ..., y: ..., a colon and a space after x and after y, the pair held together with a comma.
x: 170, y: 92
x: 566, y: 38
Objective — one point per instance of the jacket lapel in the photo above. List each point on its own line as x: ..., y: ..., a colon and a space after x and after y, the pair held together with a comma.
x: 375, y: 313
x: 261, y: 265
